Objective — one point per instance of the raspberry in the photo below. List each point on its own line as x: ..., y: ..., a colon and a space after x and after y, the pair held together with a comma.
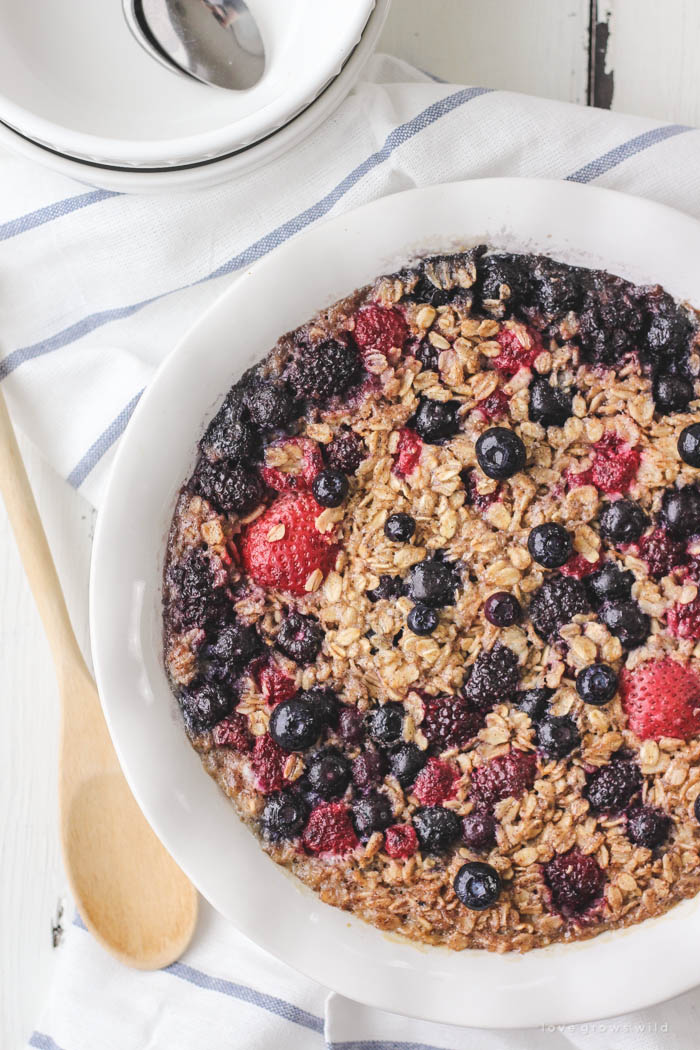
x: 506, y: 776
x: 268, y: 764
x: 400, y: 840
x: 379, y: 330
x: 307, y: 464
x: 286, y: 563
x: 495, y: 406
x: 615, y: 464
x: 494, y: 676
x: 662, y: 698
x: 578, y: 566
x: 575, y: 880
x: 684, y: 620
x: 346, y: 451
x: 233, y: 732
x: 319, y: 371
x: 435, y: 783
x: 557, y: 601
x: 661, y: 552
x: 329, y: 829
x: 481, y: 501
x: 520, y: 345
x: 408, y: 452
x: 451, y: 721
x: 274, y: 684
x: 611, y: 788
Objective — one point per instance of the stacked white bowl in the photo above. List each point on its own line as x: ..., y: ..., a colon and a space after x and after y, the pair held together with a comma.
x: 78, y: 94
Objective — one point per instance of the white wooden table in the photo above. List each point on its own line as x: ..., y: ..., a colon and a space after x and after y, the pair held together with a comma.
x: 644, y: 61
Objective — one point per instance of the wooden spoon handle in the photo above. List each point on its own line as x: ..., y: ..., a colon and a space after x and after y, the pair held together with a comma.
x: 33, y: 547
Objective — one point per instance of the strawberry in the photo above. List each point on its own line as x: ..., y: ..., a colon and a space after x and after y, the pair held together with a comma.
x: 305, y: 465
x: 379, y: 330
x: 435, y: 783
x: 408, y: 452
x: 520, y: 345
x: 662, y: 698
x: 288, y: 561
x: 329, y: 829
x: 400, y: 840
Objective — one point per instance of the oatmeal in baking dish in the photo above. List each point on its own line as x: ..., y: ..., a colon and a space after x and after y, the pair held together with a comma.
x: 431, y: 601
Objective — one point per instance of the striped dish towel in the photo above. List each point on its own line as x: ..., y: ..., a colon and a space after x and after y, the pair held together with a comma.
x: 97, y: 287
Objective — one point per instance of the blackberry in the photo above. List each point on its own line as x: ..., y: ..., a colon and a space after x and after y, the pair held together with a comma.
x: 662, y: 553
x: 502, y: 609
x: 596, y: 684
x: 199, y: 595
x: 320, y: 371
x: 231, y: 488
x: 368, y: 770
x: 385, y: 723
x: 696, y: 808
x: 557, y: 736
x: 479, y: 829
x: 428, y: 355
x: 680, y: 511
x: 389, y: 587
x: 399, y: 527
x: 294, y: 724
x: 575, y: 880
x: 451, y: 721
x: 300, y: 638
x: 330, y: 487
x: 668, y: 335
x: 550, y: 545
x: 477, y: 885
x: 441, y: 278
x: 611, y: 321
x: 406, y: 763
x: 346, y: 451
x: 437, y: 828
x: 500, y: 453
x: 229, y: 437
x: 555, y: 603
x: 622, y: 521
x: 672, y: 394
x: 648, y: 827
x: 284, y: 815
x: 494, y: 676
x: 503, y: 283
x: 371, y: 814
x: 558, y: 288
x: 234, y: 646
x: 433, y: 583
x: 435, y: 421
x: 328, y: 774
x: 627, y: 622
x: 422, y: 620
x: 689, y: 445
x: 608, y: 583
x: 611, y: 788
x: 549, y: 405
x: 533, y: 702
x: 203, y: 704
x: 269, y: 405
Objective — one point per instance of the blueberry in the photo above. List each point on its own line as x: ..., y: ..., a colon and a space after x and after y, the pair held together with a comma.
x: 500, y: 453
x: 436, y: 420
x: 385, y: 723
x: 437, y: 828
x: 696, y: 809
x: 610, y: 788
x: 330, y: 487
x: 648, y: 827
x: 556, y: 602
x: 557, y: 737
x: 627, y: 622
x: 680, y: 511
x: 370, y: 814
x: 368, y: 770
x: 609, y: 583
x: 477, y: 885
x: 422, y: 620
x: 325, y: 702
x: 328, y: 773
x: 203, y: 704
x: 548, y: 405
x: 622, y: 521
x: 689, y: 445
x: 406, y: 762
x: 433, y: 583
x: 389, y: 587
x: 399, y: 527
x: 502, y: 609
x: 533, y: 702
x: 234, y: 646
x: 270, y: 406
x: 479, y: 829
x: 300, y: 638
x: 596, y: 684
x: 672, y: 393
x: 550, y: 545
x: 284, y: 815
x: 350, y: 725
x: 294, y: 724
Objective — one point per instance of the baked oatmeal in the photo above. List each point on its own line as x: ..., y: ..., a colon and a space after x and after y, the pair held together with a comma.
x: 431, y: 601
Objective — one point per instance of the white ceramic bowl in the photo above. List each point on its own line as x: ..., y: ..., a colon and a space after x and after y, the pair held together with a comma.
x: 209, y: 173
x: 608, y: 975
x: 76, y: 81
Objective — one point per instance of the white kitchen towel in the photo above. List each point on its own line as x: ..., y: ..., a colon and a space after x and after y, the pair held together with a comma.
x: 96, y: 288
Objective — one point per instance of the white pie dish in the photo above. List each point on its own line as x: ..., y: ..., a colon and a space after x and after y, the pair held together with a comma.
x: 79, y: 83
x: 610, y: 974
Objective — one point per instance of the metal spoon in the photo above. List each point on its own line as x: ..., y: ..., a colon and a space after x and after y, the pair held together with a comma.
x: 215, y: 41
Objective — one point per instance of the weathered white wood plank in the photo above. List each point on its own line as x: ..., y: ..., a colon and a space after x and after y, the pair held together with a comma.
x: 536, y: 46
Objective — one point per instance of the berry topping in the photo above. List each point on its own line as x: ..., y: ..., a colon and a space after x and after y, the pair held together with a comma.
x: 576, y: 881
x: 203, y: 704
x: 385, y: 723
x: 506, y: 776
x: 283, y: 547
x: 198, y: 586
x: 399, y: 527
x: 320, y: 371
x: 229, y: 437
x: 295, y: 724
x: 424, y: 352
x: 479, y: 829
x: 370, y: 814
x: 494, y: 676
x: 534, y: 702
x: 432, y: 582
x: 477, y: 885
x: 609, y: 583
x: 270, y: 406
x: 689, y: 445
x: 300, y: 638
x: 627, y: 622
x: 558, y: 288
x: 550, y: 545
x: 408, y: 452
x: 680, y: 511
x: 557, y: 736
x: 435, y: 783
x: 346, y: 451
x: 389, y: 587
x: 500, y: 453
x: 233, y: 647
x: 351, y: 725
x: 495, y: 406
x: 661, y: 552
x: 284, y: 815
x: 422, y: 620
x: 367, y: 771
x: 520, y: 346
x: 648, y: 827
x: 662, y: 698
x: 451, y: 721
x: 268, y: 764
x: 436, y: 420
x: 233, y: 733
x: 406, y: 762
x: 230, y: 488
x: 615, y: 464
x: 611, y: 319
x: 669, y: 329
x: 379, y: 330
x: 596, y: 684
x: 696, y: 809
x: 504, y: 281
x: 400, y: 841
x: 555, y: 603
x: 502, y: 609
x: 274, y: 684
x: 437, y: 828
x: 622, y: 521
x: 580, y: 567
x: 549, y: 405
x: 672, y: 394
x: 330, y: 488
x: 329, y: 829
x: 481, y: 501
x: 304, y: 461
x: 611, y: 788
x: 328, y: 773
x: 684, y: 620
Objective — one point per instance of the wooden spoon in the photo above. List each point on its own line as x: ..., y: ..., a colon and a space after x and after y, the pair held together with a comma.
x: 131, y: 895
